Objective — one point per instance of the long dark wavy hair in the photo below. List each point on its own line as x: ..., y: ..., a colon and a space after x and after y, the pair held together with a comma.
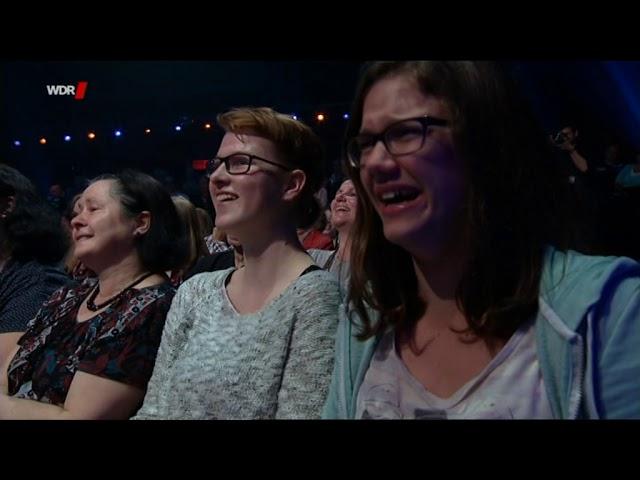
x: 515, y: 207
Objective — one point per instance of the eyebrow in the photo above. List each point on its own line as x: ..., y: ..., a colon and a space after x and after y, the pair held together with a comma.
x: 87, y: 200
x: 370, y: 133
x: 236, y: 153
x: 388, y: 122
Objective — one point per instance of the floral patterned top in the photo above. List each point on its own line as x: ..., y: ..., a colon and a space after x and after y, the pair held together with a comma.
x: 120, y: 343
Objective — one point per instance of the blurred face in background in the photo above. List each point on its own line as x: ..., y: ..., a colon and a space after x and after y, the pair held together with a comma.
x: 344, y: 206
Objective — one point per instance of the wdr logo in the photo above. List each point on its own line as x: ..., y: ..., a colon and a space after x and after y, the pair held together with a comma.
x: 77, y: 92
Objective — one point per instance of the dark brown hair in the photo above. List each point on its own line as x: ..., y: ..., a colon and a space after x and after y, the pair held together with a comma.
x: 514, y: 205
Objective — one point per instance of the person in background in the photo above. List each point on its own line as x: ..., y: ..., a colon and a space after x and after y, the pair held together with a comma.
x: 343, y: 214
x: 315, y: 237
x: 197, y: 247
x: 234, y: 257
x: 204, y: 219
x: 33, y: 244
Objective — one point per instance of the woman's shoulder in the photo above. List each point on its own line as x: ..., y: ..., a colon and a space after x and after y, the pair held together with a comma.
x: 572, y: 282
x: 570, y: 268
x: 317, y: 287
x: 317, y: 278
x: 320, y: 256
x: 164, y: 290
x: 72, y: 289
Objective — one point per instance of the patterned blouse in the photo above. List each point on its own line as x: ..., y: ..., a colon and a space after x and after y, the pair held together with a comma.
x: 215, y: 246
x: 120, y: 343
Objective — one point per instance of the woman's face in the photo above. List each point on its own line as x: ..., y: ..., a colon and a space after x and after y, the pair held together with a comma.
x: 247, y: 203
x: 344, y: 206
x: 102, y: 232
x: 419, y: 196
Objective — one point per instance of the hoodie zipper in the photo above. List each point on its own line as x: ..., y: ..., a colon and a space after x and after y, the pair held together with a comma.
x: 576, y: 345
x: 578, y: 379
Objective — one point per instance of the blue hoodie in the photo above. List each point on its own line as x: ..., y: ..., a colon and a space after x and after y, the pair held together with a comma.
x: 587, y: 338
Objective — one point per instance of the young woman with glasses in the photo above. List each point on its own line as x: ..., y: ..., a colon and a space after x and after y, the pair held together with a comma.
x: 254, y: 342
x: 465, y: 301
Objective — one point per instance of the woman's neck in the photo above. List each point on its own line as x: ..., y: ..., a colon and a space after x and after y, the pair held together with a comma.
x: 438, y: 281
x: 116, y: 277
x: 270, y: 266
x: 344, y: 246
x: 266, y: 258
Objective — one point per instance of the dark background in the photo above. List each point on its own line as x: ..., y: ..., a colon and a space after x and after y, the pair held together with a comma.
x: 600, y: 97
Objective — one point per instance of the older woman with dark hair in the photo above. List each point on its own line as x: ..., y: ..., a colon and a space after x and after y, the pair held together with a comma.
x: 32, y: 246
x: 466, y: 301
x: 90, y: 350
x: 195, y: 234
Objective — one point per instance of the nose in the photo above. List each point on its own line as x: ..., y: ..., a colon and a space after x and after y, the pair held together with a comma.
x: 78, y: 220
x: 219, y: 174
x: 379, y: 163
x: 218, y: 179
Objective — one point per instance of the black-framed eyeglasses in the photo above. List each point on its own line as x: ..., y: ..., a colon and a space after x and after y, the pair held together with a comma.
x: 399, y: 138
x: 238, y: 163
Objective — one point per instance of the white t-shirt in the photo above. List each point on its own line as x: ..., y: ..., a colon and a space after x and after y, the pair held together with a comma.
x: 510, y: 386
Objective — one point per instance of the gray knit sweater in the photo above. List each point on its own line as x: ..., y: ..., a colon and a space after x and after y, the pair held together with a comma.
x: 216, y: 363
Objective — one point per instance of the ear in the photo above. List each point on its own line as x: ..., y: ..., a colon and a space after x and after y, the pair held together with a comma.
x: 143, y: 223
x: 295, y: 184
x: 7, y: 204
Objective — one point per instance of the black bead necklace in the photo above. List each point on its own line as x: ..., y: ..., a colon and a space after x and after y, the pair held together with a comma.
x: 94, y: 308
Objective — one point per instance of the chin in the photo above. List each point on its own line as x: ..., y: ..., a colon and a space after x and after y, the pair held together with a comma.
x: 411, y: 238
x: 399, y: 233
x: 87, y: 261
x: 236, y: 227
x: 338, y: 225
x: 81, y: 254
x: 225, y: 222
